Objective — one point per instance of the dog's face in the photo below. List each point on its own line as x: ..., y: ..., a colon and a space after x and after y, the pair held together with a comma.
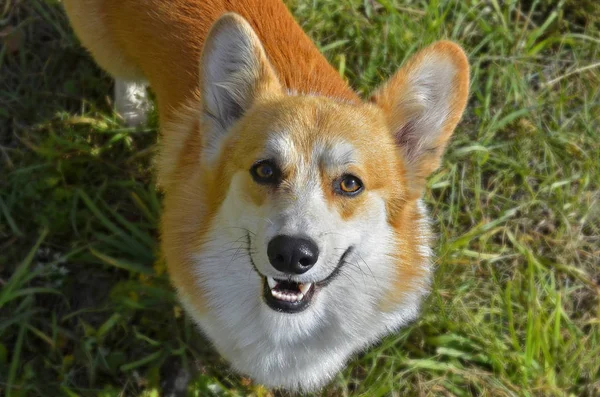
x: 307, y: 212
x: 293, y: 227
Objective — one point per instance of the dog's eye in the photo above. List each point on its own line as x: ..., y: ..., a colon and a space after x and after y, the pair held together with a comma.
x: 349, y: 185
x: 265, y: 172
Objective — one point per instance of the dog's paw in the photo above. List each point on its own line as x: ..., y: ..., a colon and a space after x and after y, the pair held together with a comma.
x: 132, y: 102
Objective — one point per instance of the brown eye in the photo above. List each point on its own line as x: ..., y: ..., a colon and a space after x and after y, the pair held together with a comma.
x: 265, y: 172
x: 349, y: 185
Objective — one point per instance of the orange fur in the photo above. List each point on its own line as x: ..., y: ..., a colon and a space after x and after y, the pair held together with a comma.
x: 164, y: 45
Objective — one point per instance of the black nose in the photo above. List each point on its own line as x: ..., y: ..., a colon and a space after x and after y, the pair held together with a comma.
x: 292, y: 254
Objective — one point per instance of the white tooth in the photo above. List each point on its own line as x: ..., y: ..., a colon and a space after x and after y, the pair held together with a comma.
x: 304, y: 288
x: 286, y: 296
x: 272, y: 283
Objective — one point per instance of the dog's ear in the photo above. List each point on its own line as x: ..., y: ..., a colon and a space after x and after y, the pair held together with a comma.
x: 234, y: 73
x: 423, y: 102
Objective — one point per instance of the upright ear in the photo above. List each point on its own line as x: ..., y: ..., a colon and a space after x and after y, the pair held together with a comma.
x: 423, y: 102
x: 234, y: 73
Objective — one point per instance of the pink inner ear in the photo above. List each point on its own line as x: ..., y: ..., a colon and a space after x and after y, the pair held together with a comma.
x: 424, y: 101
x: 406, y: 139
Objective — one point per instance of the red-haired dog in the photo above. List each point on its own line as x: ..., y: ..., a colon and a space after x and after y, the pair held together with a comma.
x: 293, y: 226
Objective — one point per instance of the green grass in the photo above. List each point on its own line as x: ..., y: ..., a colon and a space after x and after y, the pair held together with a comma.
x: 85, y: 305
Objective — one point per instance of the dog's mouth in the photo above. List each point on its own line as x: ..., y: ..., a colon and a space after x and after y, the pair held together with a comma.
x: 286, y: 295
x: 289, y: 296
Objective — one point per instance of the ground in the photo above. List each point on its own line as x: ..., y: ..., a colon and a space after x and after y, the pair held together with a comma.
x: 87, y: 309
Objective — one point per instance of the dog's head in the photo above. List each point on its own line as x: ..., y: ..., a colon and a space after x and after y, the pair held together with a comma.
x: 287, y: 214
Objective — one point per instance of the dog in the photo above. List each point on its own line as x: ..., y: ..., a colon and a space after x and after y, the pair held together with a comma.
x: 293, y: 225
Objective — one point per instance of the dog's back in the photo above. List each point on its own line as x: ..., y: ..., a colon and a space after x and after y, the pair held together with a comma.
x: 160, y: 42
